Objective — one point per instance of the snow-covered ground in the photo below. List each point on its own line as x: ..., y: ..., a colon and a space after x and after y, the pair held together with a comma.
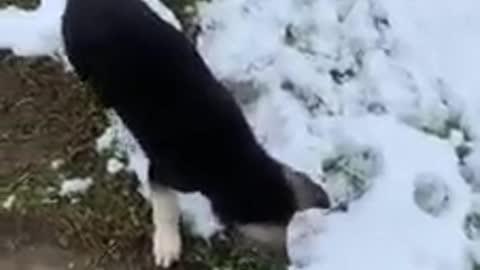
x: 374, y: 98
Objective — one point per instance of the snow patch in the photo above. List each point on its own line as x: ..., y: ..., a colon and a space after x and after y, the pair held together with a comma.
x: 197, y: 212
x: 32, y: 33
x: 114, y: 166
x: 8, y: 202
x: 57, y: 164
x: 75, y: 186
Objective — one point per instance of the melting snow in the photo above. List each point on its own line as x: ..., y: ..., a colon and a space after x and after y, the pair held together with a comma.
x: 75, y: 185
x: 114, y: 166
x: 8, y: 203
x: 376, y: 99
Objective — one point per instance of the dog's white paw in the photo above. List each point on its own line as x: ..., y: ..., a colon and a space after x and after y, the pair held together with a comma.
x: 166, y: 245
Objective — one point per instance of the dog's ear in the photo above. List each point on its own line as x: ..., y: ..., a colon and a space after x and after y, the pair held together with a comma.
x: 307, y: 193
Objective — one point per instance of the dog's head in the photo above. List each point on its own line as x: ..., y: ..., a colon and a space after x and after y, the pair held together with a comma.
x: 307, y: 194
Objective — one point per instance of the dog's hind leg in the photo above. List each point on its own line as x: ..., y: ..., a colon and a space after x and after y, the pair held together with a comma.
x: 167, y: 243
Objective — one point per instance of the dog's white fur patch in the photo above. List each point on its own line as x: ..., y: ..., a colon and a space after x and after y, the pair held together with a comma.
x: 167, y: 243
x: 163, y: 12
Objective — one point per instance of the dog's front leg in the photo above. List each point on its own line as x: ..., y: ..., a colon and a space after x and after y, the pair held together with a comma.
x: 167, y: 243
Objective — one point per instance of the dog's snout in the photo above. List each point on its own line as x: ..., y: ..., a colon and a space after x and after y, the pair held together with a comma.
x: 321, y: 199
x: 308, y: 193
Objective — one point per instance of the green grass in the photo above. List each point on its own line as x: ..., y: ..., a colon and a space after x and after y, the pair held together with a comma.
x: 28, y: 4
x: 182, y: 8
x: 111, y: 219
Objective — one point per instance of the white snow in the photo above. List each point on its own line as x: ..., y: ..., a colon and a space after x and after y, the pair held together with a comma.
x: 396, y: 51
x: 198, y: 214
x: 75, y: 186
x: 339, y: 79
x: 32, y: 33
x: 9, y: 201
x: 114, y: 165
x: 386, y: 229
x: 56, y: 164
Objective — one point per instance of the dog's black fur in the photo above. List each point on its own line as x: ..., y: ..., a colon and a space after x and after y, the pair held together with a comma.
x: 188, y: 124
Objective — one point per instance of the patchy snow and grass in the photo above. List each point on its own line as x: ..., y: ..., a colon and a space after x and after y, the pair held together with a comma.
x: 376, y: 99
x: 389, y: 228
x: 328, y: 67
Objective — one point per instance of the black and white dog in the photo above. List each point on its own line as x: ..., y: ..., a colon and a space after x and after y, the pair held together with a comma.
x: 190, y: 127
